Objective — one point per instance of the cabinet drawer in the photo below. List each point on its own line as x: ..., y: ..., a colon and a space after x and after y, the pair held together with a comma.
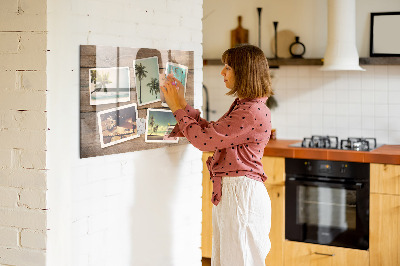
x: 304, y: 254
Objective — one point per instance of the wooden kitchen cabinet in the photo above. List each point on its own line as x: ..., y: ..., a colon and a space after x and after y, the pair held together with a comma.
x: 385, y: 178
x: 274, y: 168
x: 206, y: 225
x: 277, y: 233
x: 305, y: 254
x: 384, y: 236
x: 385, y: 215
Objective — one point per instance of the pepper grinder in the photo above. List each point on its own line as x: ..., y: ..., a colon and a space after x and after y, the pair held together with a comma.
x: 276, y: 38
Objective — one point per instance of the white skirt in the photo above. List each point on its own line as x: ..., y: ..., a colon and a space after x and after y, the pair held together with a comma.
x: 241, y: 223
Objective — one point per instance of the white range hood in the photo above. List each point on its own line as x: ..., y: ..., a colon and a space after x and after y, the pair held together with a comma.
x: 341, y: 51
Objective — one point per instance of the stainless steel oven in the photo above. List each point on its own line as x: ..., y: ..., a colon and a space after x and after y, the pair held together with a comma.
x: 327, y: 202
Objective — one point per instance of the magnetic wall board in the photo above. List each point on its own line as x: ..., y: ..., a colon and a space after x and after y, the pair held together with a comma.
x: 110, y: 97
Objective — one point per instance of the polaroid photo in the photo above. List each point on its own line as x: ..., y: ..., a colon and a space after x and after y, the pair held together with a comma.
x: 159, y: 124
x: 180, y: 73
x: 117, y: 125
x: 147, y: 77
x: 109, y: 85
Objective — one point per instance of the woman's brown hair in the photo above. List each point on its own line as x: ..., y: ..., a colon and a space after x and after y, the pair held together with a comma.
x: 250, y: 66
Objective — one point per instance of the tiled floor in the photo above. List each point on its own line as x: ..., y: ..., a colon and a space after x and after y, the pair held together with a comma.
x: 206, y: 261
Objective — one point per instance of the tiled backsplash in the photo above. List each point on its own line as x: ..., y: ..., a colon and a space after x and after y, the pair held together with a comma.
x: 343, y: 103
x: 314, y: 102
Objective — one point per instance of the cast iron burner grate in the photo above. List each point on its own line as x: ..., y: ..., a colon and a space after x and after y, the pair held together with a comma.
x: 358, y: 144
x: 332, y: 142
x: 327, y: 142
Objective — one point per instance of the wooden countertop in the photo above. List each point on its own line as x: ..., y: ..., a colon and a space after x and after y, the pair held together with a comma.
x: 389, y: 154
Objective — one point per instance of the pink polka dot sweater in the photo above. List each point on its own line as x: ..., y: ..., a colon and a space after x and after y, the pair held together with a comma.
x: 238, y: 139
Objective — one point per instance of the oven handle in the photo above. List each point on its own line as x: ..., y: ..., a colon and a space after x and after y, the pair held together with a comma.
x: 324, y: 254
x: 357, y: 185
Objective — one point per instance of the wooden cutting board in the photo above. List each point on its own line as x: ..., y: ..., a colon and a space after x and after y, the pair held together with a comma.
x: 239, y: 35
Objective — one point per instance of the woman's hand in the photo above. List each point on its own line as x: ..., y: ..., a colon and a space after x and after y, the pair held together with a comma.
x: 173, y: 91
x: 180, y: 87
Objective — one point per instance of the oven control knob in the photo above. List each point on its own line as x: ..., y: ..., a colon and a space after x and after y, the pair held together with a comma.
x: 343, y: 168
x: 308, y: 166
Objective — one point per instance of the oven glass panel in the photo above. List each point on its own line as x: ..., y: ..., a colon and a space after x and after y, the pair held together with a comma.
x: 326, y: 207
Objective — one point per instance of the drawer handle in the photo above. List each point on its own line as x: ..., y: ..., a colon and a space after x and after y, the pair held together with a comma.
x: 324, y: 254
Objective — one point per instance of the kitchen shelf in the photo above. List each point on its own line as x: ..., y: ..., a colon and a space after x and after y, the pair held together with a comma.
x: 273, y: 63
x: 380, y: 61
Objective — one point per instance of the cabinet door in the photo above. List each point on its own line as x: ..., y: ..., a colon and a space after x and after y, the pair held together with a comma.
x: 206, y: 225
x: 277, y: 233
x: 274, y: 168
x: 304, y: 254
x: 385, y: 178
x: 384, y: 230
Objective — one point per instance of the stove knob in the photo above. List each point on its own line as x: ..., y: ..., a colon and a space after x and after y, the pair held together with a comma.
x: 308, y: 166
x: 343, y: 168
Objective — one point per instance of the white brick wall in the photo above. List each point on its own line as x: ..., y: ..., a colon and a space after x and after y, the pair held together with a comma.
x: 23, y: 132
x: 140, y: 208
x: 9, y: 237
x: 8, y: 197
x: 23, y: 256
x: 33, y: 239
x: 100, y: 206
x: 23, y: 178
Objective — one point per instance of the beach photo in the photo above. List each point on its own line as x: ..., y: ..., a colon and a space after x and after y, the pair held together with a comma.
x: 117, y: 125
x: 180, y: 73
x: 146, y: 73
x: 109, y: 85
x: 159, y: 124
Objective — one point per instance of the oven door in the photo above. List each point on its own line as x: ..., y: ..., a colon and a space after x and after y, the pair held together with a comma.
x: 327, y: 213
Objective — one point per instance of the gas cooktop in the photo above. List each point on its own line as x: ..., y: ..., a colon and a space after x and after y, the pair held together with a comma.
x: 332, y: 142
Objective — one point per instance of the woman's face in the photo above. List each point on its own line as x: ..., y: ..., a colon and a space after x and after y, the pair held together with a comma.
x: 229, y: 76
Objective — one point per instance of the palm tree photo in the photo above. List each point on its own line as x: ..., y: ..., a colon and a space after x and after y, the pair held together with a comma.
x: 153, y: 125
x: 154, y: 86
x: 160, y: 123
x: 151, y: 121
x: 141, y: 73
x: 100, y: 80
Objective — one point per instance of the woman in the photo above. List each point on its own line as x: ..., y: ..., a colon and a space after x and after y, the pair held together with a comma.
x: 242, y: 211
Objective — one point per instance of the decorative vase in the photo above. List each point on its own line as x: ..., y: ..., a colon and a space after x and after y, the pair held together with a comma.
x: 297, y: 49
